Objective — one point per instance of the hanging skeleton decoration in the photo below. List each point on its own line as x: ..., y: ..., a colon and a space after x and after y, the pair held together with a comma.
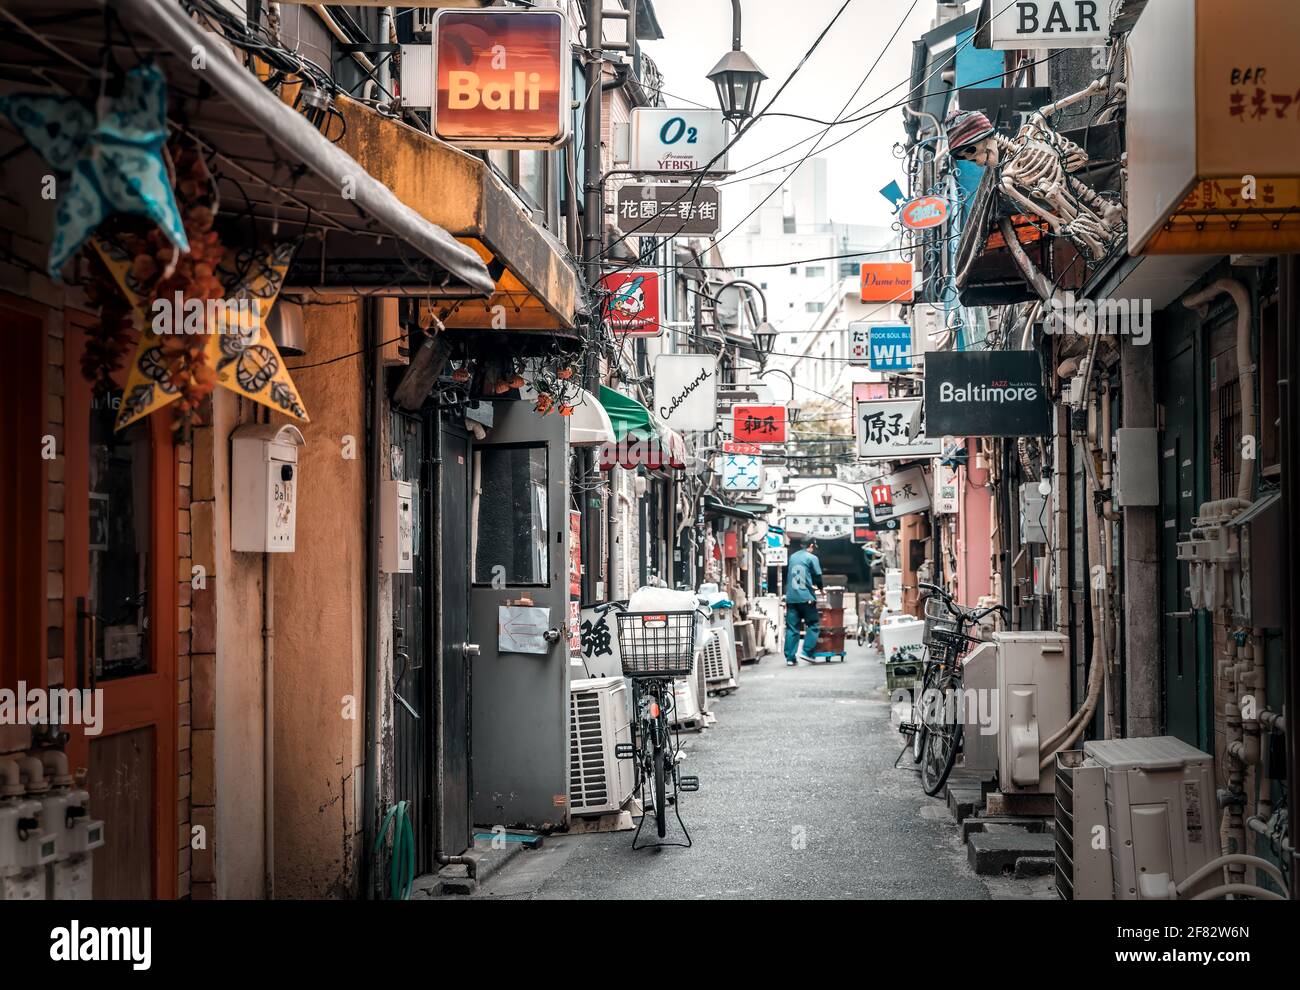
x: 1034, y: 170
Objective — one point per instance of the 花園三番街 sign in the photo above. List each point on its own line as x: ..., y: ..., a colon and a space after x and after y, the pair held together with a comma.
x: 501, y: 78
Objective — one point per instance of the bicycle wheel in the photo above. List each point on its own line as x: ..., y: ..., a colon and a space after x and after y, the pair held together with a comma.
x: 862, y: 635
x: 919, y: 707
x: 661, y: 811
x: 943, y: 740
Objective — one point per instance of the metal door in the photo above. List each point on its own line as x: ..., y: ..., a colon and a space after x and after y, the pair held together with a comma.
x: 1180, y: 640
x: 519, y: 554
x: 412, y: 725
x: 453, y: 690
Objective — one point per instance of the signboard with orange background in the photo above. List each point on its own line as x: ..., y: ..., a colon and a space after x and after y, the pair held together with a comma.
x: 887, y: 281
x: 501, y: 78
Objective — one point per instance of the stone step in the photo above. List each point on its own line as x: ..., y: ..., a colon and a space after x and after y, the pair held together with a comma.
x: 998, y: 850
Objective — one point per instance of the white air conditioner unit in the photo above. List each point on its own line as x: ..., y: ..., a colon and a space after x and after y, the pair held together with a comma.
x: 1033, y: 699
x: 1162, y: 814
x: 718, y: 655
x: 599, y: 719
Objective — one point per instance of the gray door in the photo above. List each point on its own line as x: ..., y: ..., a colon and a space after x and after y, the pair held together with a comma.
x: 453, y: 732
x: 520, y: 553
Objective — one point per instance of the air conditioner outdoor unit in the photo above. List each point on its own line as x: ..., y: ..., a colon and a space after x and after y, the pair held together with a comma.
x: 1033, y: 700
x: 719, y: 658
x: 1161, y: 814
x: 1082, y: 836
x: 599, y: 719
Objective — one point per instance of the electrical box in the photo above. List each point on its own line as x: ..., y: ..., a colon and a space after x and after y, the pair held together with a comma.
x: 264, y: 488
x: 1035, y: 514
x: 1162, y: 818
x: 1033, y: 695
x: 397, y: 527
x: 1137, y: 465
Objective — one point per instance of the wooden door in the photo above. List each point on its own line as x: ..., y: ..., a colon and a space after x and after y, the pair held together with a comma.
x: 120, y: 586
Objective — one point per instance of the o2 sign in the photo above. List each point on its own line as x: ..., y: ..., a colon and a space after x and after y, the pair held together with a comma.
x: 675, y: 128
x: 677, y: 140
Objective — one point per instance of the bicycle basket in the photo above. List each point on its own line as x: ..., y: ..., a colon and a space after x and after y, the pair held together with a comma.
x: 937, y: 619
x: 656, y: 644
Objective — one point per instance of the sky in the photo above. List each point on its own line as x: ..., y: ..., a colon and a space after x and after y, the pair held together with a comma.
x: 776, y: 34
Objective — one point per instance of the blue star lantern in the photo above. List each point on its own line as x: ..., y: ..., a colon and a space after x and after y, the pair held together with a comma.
x: 114, y: 159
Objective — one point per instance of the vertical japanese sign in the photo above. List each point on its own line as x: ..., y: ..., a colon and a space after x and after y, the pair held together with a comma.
x: 501, y: 78
x: 758, y: 424
x: 632, y: 306
x: 575, y: 583
x: 742, y: 468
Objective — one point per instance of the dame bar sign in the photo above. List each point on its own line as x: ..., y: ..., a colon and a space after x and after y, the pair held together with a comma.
x: 985, y: 394
x: 501, y: 78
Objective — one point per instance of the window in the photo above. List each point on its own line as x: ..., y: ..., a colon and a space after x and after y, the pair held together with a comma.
x: 510, y: 516
x: 813, y: 307
x: 815, y: 271
x: 794, y: 269
x: 762, y: 285
x: 120, y: 469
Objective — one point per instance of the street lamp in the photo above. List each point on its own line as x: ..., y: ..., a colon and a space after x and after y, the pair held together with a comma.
x: 791, y: 410
x: 764, y: 333
x: 736, y: 76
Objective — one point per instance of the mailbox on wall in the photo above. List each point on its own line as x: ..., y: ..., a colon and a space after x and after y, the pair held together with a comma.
x: 264, y: 487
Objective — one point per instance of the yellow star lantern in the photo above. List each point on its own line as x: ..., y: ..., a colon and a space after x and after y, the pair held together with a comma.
x: 238, y: 346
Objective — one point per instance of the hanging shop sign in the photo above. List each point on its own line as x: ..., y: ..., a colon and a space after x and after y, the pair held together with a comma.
x: 824, y: 525
x: 665, y: 210
x: 890, y: 347
x: 501, y: 78
x: 632, y: 306
x: 686, y: 390
x: 890, y: 430
x: 677, y: 140
x: 1213, y: 129
x: 899, y: 494
x: 758, y: 424
x: 775, y: 553
x: 887, y: 281
x: 986, y: 394
x: 945, y: 490
x: 862, y: 523
x: 869, y: 390
x: 1048, y: 24
x: 924, y: 213
x: 742, y: 472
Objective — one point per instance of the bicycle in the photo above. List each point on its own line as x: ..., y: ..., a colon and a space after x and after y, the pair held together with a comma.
x: 656, y: 648
x: 936, y: 730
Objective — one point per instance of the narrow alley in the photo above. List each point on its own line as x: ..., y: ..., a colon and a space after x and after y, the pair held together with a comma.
x: 809, y: 806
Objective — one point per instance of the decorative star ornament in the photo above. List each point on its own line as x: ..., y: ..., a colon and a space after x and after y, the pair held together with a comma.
x: 238, y: 344
x: 113, y: 158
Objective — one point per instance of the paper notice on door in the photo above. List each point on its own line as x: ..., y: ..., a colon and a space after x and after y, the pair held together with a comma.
x: 522, y: 629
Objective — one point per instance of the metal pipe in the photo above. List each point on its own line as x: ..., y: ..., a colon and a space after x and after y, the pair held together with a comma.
x: 735, y: 25
x: 374, y: 697
x: 268, y: 721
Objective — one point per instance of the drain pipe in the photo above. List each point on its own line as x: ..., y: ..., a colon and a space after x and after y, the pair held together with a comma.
x: 1245, y: 363
x: 374, y: 709
x: 268, y: 720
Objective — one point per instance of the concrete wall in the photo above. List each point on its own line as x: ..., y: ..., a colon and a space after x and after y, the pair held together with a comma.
x: 320, y: 613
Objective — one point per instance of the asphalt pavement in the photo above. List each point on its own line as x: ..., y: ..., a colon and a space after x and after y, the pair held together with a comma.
x: 799, y: 798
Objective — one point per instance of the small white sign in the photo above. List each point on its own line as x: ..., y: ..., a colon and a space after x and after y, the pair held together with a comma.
x: 1050, y: 24
x: 777, y: 557
x: 686, y: 391
x: 677, y: 140
x: 890, y: 430
x: 945, y: 490
x: 522, y: 629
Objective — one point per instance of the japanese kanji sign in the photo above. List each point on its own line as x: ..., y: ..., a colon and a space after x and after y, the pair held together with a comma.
x: 633, y: 304
x: 666, y: 210
x: 759, y: 424
x: 900, y: 494
x: 742, y: 472
x: 890, y: 429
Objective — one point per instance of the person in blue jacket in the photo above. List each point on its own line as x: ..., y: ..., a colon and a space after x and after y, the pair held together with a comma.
x: 803, y: 574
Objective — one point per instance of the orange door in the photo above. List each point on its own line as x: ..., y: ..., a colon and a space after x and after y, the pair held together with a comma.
x: 120, y: 627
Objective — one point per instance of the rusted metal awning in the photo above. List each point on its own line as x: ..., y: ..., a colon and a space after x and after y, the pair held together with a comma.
x: 272, y: 164
x: 536, y: 286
